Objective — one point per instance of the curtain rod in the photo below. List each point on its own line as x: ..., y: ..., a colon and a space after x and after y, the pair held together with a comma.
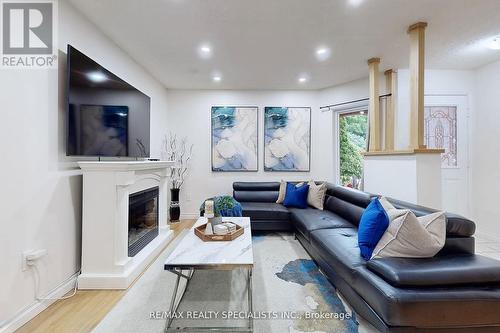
x: 356, y: 101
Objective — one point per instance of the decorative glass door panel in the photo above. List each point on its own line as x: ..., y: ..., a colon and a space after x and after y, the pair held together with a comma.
x: 440, y: 131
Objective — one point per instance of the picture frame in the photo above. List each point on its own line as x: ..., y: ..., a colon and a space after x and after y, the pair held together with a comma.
x: 287, y: 139
x: 234, y: 139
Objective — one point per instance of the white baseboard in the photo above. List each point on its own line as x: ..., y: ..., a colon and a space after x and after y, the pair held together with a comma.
x: 28, y: 313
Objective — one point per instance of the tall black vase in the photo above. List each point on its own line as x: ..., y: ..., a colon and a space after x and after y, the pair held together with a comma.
x: 174, y: 209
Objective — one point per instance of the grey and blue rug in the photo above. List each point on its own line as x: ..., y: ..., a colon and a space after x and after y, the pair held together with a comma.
x: 289, y: 295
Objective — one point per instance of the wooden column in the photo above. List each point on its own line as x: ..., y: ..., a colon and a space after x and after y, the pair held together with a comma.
x: 417, y: 66
x: 374, y: 106
x: 390, y: 87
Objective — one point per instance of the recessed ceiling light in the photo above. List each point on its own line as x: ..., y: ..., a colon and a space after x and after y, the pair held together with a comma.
x: 355, y: 3
x: 97, y: 76
x: 495, y: 43
x: 302, y: 79
x: 217, y: 78
x: 205, y: 51
x: 323, y: 53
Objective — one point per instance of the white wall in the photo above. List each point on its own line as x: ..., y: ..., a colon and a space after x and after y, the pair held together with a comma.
x: 412, y: 178
x: 485, y: 151
x: 41, y: 188
x: 189, y: 115
x: 349, y: 91
x: 437, y: 82
x: 346, y: 92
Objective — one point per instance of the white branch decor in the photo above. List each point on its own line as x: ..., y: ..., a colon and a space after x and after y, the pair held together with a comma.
x: 177, y: 149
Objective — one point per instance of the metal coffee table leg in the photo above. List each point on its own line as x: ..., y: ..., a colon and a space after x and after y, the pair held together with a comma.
x: 250, y: 301
x: 174, y: 304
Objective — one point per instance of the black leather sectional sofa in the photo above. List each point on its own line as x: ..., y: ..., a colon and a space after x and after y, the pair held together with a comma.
x: 456, y: 291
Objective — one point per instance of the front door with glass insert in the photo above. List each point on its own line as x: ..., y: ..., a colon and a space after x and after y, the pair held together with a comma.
x: 445, y: 126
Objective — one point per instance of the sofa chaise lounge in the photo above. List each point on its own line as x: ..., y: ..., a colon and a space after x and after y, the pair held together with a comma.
x: 456, y: 291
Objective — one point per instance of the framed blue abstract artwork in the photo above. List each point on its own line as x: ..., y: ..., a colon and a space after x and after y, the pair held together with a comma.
x: 234, y: 138
x: 287, y: 139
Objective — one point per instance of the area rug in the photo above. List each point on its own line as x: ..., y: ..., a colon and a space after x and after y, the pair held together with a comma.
x: 290, y: 294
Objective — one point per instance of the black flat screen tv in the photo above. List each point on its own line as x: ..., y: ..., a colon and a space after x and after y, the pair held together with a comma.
x: 106, y: 116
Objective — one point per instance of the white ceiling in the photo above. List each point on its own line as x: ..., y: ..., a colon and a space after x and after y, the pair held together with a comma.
x: 267, y: 44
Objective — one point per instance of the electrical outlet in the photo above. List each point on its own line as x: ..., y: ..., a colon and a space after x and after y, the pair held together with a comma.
x: 25, y: 261
x: 31, y: 256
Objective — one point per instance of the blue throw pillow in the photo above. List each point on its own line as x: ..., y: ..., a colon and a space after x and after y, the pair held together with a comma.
x: 374, y: 222
x: 296, y: 196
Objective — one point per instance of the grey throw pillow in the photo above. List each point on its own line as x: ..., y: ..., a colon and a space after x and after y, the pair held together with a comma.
x: 316, y: 195
x: 409, y: 236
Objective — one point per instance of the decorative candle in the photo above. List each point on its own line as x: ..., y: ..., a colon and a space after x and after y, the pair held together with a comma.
x: 209, y: 208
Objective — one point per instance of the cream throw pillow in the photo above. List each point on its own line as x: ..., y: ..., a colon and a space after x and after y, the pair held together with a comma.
x: 281, y: 195
x: 316, y: 195
x: 392, y: 212
x: 409, y: 236
x: 282, y: 192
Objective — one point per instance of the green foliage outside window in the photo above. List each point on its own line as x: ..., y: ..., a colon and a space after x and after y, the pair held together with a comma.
x: 353, y: 129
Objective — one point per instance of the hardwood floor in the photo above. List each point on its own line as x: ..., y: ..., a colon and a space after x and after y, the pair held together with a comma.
x: 82, y: 312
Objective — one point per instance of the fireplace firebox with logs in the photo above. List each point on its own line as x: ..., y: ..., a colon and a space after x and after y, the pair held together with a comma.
x: 142, y: 219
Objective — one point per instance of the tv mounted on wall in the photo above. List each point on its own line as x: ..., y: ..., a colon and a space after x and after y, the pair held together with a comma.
x: 106, y: 116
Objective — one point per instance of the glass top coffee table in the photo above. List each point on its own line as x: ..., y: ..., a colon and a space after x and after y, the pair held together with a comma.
x: 193, y: 254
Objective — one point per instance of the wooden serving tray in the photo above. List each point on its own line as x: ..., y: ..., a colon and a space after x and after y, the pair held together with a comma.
x: 200, y: 232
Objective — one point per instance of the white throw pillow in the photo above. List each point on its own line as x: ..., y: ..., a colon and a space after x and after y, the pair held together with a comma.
x: 409, y: 236
x: 316, y: 195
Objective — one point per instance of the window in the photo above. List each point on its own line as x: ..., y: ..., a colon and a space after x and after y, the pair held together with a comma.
x: 353, y: 129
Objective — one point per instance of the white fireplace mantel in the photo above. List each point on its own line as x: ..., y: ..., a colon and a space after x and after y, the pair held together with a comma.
x: 106, y: 190
x: 126, y: 165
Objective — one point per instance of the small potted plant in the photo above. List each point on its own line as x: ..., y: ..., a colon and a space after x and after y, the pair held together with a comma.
x: 180, y: 151
x: 224, y: 205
